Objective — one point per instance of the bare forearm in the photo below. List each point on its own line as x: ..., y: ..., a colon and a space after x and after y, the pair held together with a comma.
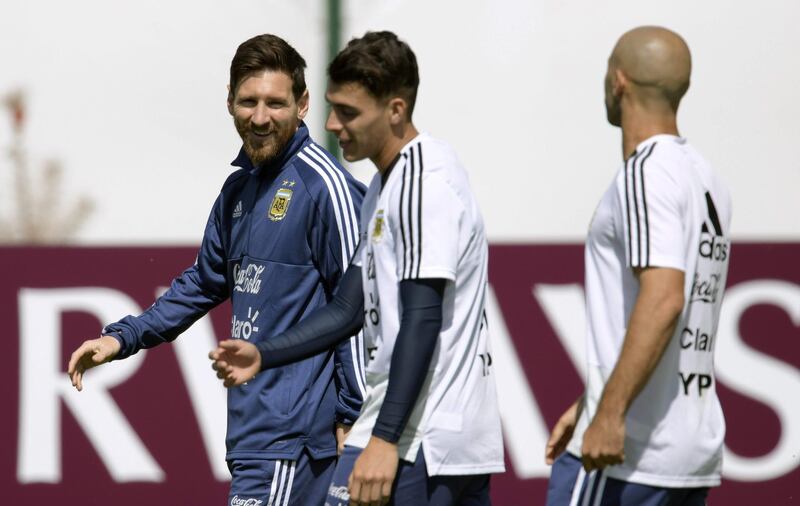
x: 652, y: 324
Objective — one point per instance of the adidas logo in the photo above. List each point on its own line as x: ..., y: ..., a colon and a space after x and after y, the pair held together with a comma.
x: 713, y: 244
x: 237, y: 211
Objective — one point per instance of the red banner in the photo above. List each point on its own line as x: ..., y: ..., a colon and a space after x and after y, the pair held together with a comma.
x: 150, y: 429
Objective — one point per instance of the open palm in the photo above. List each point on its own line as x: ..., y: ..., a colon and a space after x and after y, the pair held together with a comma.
x: 236, y: 361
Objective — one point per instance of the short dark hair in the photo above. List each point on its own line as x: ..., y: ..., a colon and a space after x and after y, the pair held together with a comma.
x: 381, y: 63
x: 268, y: 52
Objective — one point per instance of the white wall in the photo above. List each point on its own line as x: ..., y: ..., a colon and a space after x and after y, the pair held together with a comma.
x: 130, y: 96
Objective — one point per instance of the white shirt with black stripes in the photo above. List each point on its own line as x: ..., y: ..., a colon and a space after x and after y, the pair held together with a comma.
x: 665, y: 208
x: 422, y: 221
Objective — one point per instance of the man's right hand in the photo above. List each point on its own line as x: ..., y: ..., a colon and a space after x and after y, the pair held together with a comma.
x: 91, y: 354
x: 236, y: 361
x: 562, y: 432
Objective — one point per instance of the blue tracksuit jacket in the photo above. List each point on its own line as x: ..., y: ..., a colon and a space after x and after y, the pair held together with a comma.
x: 277, y: 242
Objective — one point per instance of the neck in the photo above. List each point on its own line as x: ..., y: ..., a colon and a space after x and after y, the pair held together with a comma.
x: 399, y: 137
x: 639, y: 124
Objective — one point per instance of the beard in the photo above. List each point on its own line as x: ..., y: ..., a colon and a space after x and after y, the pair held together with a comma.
x: 614, y: 113
x: 264, y: 150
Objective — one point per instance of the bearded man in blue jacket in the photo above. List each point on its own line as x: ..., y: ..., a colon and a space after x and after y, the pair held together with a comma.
x: 278, y: 240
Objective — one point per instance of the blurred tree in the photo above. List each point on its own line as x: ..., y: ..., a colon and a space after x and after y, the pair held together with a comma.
x: 39, y: 216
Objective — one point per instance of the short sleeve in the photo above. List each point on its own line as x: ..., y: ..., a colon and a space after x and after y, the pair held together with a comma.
x: 430, y: 217
x: 653, y: 210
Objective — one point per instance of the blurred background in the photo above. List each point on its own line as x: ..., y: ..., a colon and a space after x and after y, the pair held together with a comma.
x: 115, y: 141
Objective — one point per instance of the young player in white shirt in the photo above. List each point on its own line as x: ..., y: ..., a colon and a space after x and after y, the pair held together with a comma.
x: 649, y: 428
x: 429, y: 430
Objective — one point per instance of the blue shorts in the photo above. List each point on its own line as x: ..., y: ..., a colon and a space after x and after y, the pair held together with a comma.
x: 301, y: 482
x: 570, y: 485
x: 412, y: 485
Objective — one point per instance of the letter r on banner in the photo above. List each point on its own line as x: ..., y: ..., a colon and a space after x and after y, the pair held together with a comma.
x: 43, y: 381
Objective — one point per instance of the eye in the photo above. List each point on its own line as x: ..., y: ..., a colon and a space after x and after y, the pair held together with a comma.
x: 246, y: 102
x: 276, y: 104
x: 346, y: 113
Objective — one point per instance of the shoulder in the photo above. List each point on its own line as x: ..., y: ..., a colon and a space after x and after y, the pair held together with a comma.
x: 434, y: 155
x: 431, y: 172
x: 325, y: 180
x: 662, y: 165
x: 235, y: 179
x: 435, y: 160
x: 322, y: 172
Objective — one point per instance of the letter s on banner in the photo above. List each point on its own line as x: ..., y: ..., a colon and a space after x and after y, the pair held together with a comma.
x: 778, y: 382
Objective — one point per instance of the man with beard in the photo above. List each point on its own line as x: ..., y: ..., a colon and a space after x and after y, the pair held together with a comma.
x: 278, y: 240
x: 649, y: 429
x: 429, y: 432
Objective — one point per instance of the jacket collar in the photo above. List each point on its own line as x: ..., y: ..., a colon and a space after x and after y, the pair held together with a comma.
x: 292, y: 147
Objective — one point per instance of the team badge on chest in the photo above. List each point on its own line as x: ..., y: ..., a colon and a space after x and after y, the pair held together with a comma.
x: 280, y: 203
x: 377, y: 227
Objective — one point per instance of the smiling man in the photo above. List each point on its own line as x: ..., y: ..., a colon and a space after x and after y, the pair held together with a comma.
x: 277, y: 243
x: 429, y: 432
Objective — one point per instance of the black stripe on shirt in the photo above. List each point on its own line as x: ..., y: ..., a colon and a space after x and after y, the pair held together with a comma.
x: 410, y: 210
x: 644, y: 206
x: 402, y: 224
x: 419, y: 212
x: 631, y: 162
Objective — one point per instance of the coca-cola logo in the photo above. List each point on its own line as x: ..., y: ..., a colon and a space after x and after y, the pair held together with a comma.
x: 236, y: 501
x: 340, y: 493
x: 247, y: 280
x: 705, y: 289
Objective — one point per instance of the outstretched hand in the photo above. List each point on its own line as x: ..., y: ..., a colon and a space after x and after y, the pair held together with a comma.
x: 91, y: 354
x: 236, y: 361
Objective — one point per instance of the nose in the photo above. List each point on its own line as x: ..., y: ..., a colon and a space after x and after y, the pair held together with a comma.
x: 333, y: 124
x: 260, y: 115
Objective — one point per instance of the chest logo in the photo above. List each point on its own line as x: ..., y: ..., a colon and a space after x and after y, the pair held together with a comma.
x: 378, y: 226
x: 280, y: 203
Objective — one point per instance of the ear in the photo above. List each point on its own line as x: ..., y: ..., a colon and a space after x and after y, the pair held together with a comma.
x: 619, y: 83
x: 230, y: 101
x: 397, y: 108
x: 302, y: 105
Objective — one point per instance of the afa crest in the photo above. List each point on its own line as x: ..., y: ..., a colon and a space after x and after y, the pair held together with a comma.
x: 280, y: 204
x: 378, y: 225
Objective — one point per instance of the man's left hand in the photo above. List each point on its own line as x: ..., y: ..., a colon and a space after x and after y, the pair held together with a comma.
x: 373, y: 473
x: 603, y: 442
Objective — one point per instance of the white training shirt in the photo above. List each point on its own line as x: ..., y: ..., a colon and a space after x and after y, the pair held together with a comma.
x: 423, y: 222
x: 665, y: 208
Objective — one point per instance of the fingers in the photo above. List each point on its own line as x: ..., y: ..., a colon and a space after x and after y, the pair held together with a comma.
x: 552, y: 450
x: 235, y: 378
x: 76, y: 365
x: 385, y: 492
x: 77, y: 378
x: 354, y: 487
x: 561, y: 435
x: 233, y: 345
x: 369, y: 489
x: 76, y: 356
x: 599, y: 460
